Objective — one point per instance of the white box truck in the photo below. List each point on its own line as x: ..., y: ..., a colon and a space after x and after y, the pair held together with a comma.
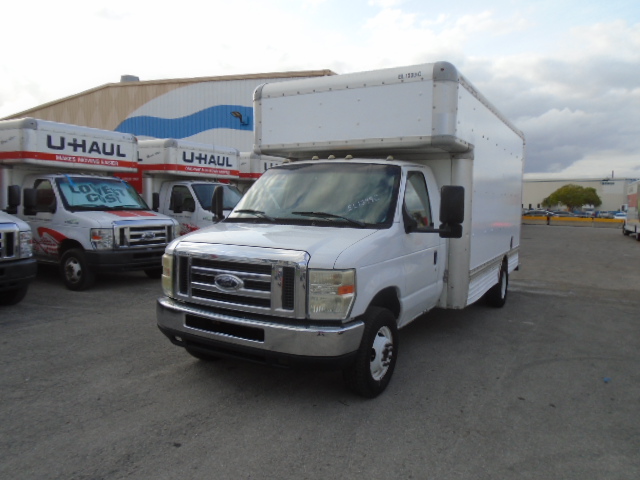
x: 18, y: 267
x: 82, y: 219
x: 178, y: 179
x: 631, y: 225
x: 327, y: 256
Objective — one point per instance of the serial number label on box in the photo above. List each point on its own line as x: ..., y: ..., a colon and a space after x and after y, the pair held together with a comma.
x: 406, y: 76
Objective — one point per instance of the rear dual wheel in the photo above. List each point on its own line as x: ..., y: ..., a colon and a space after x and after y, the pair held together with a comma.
x: 497, y: 295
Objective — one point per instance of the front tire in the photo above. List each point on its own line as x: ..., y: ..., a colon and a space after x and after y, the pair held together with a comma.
x: 375, y: 360
x: 153, y: 272
x: 497, y: 295
x: 12, y: 297
x: 75, y: 271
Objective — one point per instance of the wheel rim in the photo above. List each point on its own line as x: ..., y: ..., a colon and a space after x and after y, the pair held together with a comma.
x: 503, y: 285
x: 73, y: 270
x: 381, y: 353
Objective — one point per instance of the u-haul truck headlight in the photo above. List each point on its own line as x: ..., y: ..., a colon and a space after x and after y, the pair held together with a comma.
x: 26, y: 245
x: 331, y: 293
x: 167, y: 274
x: 102, y: 238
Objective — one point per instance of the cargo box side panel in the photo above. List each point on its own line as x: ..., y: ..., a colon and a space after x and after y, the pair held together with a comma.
x: 498, y: 161
x: 375, y: 117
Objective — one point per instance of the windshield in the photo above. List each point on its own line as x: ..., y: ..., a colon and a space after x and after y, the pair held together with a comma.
x: 92, y: 193
x: 204, y: 192
x: 334, y: 194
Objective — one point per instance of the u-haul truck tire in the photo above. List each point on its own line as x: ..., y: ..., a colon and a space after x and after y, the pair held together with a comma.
x: 75, y: 270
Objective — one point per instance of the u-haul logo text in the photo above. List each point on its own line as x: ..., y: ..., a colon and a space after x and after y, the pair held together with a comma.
x: 108, y: 149
x: 205, y: 159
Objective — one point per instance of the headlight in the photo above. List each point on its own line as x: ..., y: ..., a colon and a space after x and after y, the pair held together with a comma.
x: 167, y: 274
x: 331, y: 293
x: 26, y: 245
x: 102, y: 238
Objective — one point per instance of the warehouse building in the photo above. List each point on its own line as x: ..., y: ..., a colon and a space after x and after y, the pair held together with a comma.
x: 612, y: 191
x: 214, y: 110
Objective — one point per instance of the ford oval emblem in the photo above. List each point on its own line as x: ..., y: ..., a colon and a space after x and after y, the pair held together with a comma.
x: 228, y: 282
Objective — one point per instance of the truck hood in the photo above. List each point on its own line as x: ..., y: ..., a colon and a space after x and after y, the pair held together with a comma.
x: 323, y: 244
x: 109, y: 216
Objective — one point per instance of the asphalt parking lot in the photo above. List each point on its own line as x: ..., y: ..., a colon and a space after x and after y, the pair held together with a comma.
x: 546, y: 388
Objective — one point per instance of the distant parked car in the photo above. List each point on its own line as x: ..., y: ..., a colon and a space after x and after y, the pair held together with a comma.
x: 558, y: 213
x: 538, y: 213
x: 620, y: 215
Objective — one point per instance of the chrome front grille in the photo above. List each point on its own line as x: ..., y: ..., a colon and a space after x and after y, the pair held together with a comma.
x: 244, y: 279
x: 142, y: 234
x: 8, y: 242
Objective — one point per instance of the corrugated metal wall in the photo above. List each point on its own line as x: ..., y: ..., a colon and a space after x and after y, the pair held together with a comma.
x: 214, y: 110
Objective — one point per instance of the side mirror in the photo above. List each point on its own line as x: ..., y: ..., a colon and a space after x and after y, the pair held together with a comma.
x: 177, y: 200
x: 13, y: 199
x: 155, y: 201
x: 451, y: 211
x: 29, y: 200
x: 217, y: 203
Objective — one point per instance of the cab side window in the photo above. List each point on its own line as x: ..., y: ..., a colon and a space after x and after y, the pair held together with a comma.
x: 45, y: 196
x: 188, y: 202
x: 416, y: 200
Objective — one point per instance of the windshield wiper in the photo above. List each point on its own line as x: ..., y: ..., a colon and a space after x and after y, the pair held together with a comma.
x: 257, y: 213
x: 331, y: 215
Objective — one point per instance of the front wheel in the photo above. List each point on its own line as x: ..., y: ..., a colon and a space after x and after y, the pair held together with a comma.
x: 375, y: 360
x: 153, y: 272
x: 75, y: 271
x: 12, y: 297
x: 497, y: 295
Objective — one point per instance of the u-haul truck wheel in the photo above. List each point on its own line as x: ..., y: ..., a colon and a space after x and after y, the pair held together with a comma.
x: 375, y: 361
x: 75, y: 271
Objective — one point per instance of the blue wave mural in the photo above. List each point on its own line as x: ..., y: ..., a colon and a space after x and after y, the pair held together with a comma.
x: 235, y: 117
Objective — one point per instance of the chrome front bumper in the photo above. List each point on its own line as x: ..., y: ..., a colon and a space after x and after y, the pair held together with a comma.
x: 175, y: 318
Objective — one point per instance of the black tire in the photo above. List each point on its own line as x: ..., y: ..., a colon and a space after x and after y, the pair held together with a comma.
x: 375, y: 361
x: 12, y: 297
x: 153, y: 272
x: 200, y: 355
x: 625, y: 232
x: 497, y: 295
x: 75, y: 271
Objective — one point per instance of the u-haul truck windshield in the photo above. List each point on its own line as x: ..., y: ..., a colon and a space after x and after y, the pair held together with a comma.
x: 80, y: 193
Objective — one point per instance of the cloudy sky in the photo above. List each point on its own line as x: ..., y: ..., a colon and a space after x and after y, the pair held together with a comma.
x: 566, y: 72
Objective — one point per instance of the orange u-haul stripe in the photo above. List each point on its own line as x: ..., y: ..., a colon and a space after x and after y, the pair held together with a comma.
x: 71, y: 159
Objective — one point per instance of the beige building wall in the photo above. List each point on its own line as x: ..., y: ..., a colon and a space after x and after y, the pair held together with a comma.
x: 612, y: 192
x: 105, y: 107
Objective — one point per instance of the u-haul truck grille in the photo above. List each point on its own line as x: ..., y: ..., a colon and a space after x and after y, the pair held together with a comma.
x: 8, y: 243
x: 131, y: 236
x: 257, y: 286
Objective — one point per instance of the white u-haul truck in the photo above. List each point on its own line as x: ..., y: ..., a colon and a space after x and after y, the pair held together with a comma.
x: 18, y: 267
x: 178, y: 179
x: 631, y: 225
x: 81, y: 219
x: 403, y: 194
x: 252, y: 166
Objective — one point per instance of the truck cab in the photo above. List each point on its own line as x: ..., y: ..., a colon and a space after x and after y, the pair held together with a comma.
x: 189, y: 202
